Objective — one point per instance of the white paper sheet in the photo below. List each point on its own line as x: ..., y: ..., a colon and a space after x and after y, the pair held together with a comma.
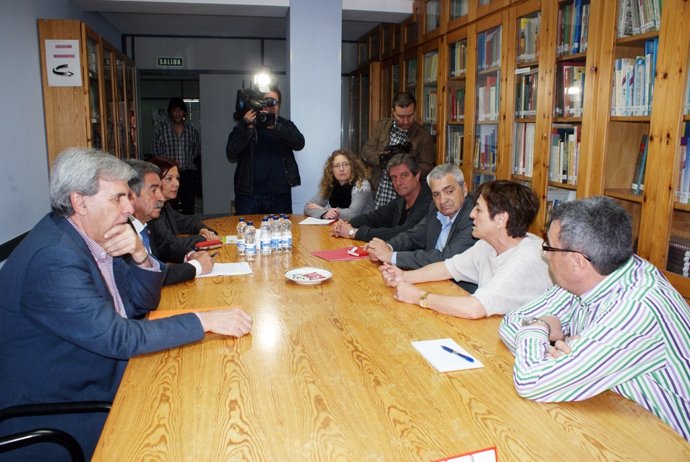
x: 442, y: 360
x: 228, y: 269
x: 315, y: 221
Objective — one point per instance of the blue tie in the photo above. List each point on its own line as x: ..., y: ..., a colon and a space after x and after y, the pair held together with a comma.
x: 145, y: 239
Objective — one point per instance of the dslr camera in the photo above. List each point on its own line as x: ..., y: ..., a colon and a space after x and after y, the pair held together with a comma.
x: 249, y: 99
x: 391, y: 150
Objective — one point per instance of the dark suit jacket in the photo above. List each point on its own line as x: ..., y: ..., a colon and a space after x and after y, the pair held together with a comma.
x: 60, y: 336
x: 171, y: 223
x: 172, y: 253
x: 416, y: 247
x: 384, y: 221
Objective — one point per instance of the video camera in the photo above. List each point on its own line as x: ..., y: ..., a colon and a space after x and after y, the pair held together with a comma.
x: 391, y: 150
x: 249, y: 99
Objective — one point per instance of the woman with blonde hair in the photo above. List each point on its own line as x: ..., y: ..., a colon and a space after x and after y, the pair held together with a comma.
x: 344, y: 192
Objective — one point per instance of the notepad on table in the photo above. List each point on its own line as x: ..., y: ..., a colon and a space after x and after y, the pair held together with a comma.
x: 445, y: 361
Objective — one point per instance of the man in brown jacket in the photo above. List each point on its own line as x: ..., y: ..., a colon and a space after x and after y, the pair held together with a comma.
x: 402, y: 133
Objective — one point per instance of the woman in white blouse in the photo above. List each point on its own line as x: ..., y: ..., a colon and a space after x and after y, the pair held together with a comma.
x: 344, y: 192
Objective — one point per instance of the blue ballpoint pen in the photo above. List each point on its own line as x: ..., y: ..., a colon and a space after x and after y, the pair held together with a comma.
x: 465, y: 357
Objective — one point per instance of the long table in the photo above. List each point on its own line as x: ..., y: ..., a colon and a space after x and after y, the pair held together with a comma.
x: 328, y: 373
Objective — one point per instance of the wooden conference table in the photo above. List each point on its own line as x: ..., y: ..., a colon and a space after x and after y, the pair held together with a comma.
x: 328, y: 374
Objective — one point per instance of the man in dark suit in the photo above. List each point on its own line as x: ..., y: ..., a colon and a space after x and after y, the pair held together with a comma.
x: 147, y: 200
x: 400, y: 214
x: 445, y: 231
x: 68, y: 314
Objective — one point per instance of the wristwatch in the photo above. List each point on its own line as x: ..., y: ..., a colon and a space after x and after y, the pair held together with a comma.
x: 352, y: 232
x: 533, y: 320
x: 424, y: 300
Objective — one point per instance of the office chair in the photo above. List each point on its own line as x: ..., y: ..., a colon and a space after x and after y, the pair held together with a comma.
x: 48, y: 435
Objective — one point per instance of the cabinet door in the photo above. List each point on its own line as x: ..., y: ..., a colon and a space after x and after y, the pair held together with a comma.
x: 429, y: 104
x: 456, y: 78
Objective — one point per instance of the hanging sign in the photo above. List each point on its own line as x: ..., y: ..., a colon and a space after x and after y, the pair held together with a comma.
x: 63, y: 63
x: 170, y: 62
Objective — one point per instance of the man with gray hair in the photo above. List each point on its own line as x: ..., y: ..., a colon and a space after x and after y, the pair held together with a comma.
x: 446, y: 230
x: 612, y: 322
x: 147, y: 200
x: 72, y: 306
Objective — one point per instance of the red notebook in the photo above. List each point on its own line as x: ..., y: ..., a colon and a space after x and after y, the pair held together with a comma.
x: 343, y: 254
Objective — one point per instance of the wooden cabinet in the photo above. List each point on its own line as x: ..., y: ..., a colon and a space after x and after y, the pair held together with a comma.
x: 98, y: 109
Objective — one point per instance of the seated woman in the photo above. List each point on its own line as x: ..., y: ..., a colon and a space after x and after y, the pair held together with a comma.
x: 344, y: 192
x: 506, y: 263
x: 171, y: 222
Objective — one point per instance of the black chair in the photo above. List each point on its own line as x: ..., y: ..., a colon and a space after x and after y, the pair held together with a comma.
x: 48, y: 435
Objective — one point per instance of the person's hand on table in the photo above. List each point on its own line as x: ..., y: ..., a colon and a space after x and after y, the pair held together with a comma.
x: 405, y: 292
x: 341, y: 229
x: 204, y: 258
x: 232, y: 321
x: 331, y: 214
x: 379, y: 250
x: 312, y: 205
x: 392, y: 275
x: 208, y: 234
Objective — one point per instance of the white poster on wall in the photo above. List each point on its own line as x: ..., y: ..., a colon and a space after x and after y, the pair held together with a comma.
x: 63, y: 63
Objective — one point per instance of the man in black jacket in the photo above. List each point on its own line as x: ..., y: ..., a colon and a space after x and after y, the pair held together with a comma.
x: 266, y: 166
x: 446, y: 229
x: 402, y: 213
x: 147, y: 200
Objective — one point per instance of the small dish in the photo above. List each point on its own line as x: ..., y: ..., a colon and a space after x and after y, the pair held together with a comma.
x: 308, y: 275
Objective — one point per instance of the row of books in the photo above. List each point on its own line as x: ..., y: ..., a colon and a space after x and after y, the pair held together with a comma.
x: 485, y: 148
x: 570, y: 89
x: 412, y: 73
x: 683, y: 191
x: 573, y: 27
x: 564, y: 154
x: 430, y: 104
x: 459, y: 8
x: 526, y: 92
x: 528, y: 38
x: 457, y: 57
x: 456, y: 139
x: 679, y: 256
x: 523, y: 148
x: 556, y: 196
x: 638, y: 16
x: 633, y: 84
x: 489, y: 49
x: 640, y: 165
x: 488, y: 98
x: 430, y: 67
x: 457, y: 105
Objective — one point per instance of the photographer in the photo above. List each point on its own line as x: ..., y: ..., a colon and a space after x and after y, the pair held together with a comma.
x: 400, y: 134
x: 262, y: 144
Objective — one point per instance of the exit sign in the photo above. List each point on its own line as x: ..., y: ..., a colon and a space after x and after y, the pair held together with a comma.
x: 170, y: 62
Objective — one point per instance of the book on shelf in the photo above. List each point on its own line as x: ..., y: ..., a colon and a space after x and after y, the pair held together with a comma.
x: 458, y: 58
x: 528, y: 38
x: 573, y: 27
x: 526, y: 92
x: 678, y: 260
x: 457, y: 105
x: 640, y: 165
x: 456, y: 139
x: 430, y: 67
x: 523, y: 149
x: 564, y: 153
x: 485, y: 147
x: 555, y: 197
x: 638, y: 17
x: 633, y: 85
x: 430, y: 104
x: 571, y: 87
x: 489, y: 49
x: 458, y: 8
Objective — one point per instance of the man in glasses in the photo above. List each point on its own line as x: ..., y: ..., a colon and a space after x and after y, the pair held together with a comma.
x: 612, y: 322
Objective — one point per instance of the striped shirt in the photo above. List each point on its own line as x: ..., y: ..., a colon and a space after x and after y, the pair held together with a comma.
x: 182, y: 148
x: 631, y: 334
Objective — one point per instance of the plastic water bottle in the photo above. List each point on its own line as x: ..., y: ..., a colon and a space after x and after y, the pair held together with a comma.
x: 274, y: 224
x: 287, y: 232
x: 265, y: 237
x: 241, y: 226
x: 282, y: 243
x: 250, y: 240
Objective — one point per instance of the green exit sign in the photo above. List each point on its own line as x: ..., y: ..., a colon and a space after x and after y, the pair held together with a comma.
x: 170, y: 62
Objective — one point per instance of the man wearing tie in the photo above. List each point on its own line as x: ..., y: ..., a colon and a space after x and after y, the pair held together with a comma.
x: 147, y: 200
x: 70, y: 314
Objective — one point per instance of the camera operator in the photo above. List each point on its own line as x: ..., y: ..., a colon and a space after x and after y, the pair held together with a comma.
x: 266, y: 166
x: 400, y: 134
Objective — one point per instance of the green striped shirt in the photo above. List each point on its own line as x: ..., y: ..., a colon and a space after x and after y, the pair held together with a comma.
x: 631, y: 334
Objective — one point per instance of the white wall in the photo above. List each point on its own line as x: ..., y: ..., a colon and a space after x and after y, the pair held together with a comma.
x: 24, y: 160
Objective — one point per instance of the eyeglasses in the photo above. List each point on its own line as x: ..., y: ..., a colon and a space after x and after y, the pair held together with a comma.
x: 547, y: 248
x: 342, y: 166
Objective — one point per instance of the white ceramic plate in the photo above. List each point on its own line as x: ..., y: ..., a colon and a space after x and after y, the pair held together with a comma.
x: 308, y: 275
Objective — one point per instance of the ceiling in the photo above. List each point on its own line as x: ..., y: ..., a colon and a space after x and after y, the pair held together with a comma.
x: 238, y: 18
